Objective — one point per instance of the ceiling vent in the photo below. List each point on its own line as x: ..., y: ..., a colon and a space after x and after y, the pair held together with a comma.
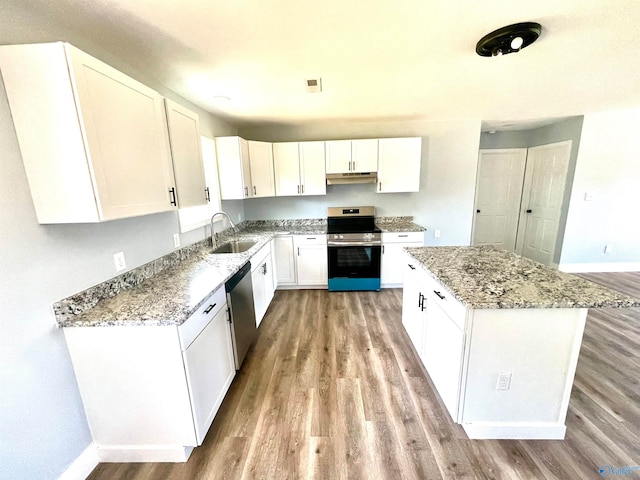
x: 314, y: 85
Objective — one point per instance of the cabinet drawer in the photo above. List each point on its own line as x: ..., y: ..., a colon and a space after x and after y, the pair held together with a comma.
x: 447, y: 302
x: 310, y: 239
x: 192, y: 327
x: 403, y: 237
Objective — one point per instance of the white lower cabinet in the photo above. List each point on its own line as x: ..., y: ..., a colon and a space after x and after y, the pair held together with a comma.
x: 210, y: 368
x: 262, y: 280
x: 392, y: 262
x: 311, y: 260
x: 466, y: 351
x: 151, y: 392
x: 285, y: 261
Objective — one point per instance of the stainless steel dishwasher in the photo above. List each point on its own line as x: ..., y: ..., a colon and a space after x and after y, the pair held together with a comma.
x: 241, y: 312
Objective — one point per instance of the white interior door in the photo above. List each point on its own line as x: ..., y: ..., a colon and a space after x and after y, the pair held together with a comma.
x: 498, y: 194
x: 543, y: 193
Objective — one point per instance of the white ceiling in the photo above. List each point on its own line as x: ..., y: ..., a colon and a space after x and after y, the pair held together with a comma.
x: 379, y: 60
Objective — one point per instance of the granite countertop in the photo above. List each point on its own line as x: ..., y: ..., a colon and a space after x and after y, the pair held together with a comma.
x: 168, y: 290
x: 398, y: 225
x: 489, y: 277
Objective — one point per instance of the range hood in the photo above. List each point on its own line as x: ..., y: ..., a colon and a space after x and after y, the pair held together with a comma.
x: 342, y: 178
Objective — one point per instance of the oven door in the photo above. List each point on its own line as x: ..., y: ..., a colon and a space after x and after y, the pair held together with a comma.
x: 354, y: 267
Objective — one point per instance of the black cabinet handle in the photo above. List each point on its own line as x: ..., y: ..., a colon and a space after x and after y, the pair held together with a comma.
x: 420, y: 299
x: 172, y: 192
x: 254, y: 190
x: 529, y: 210
x: 246, y: 191
x: 411, y: 266
x: 422, y: 305
x: 477, y: 211
x: 440, y: 296
x: 209, y: 308
x: 206, y: 192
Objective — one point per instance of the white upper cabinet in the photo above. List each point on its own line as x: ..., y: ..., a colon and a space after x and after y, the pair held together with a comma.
x: 338, y: 156
x: 184, y: 139
x: 364, y: 155
x: 261, y: 162
x: 234, y: 168
x: 286, y: 163
x: 94, y: 141
x: 351, y: 156
x: 312, y: 169
x: 399, y: 164
x: 299, y: 168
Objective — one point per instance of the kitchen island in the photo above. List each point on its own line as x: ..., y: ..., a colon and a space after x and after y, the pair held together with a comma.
x: 499, y: 336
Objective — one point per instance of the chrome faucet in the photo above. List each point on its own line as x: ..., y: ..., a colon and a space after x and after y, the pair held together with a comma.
x: 233, y: 227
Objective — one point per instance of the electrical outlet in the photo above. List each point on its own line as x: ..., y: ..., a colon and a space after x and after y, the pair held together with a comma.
x: 607, y: 249
x: 436, y: 233
x: 118, y: 259
x: 504, y: 381
x: 176, y: 240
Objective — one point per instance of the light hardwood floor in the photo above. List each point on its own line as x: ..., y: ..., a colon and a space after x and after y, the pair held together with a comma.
x: 333, y: 389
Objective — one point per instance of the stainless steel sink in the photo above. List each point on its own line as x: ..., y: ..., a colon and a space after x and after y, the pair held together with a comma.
x: 235, y: 246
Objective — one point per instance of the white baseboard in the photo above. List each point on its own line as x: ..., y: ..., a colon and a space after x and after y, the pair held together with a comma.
x: 82, y: 466
x: 600, y: 267
x: 515, y: 430
x: 301, y: 287
x: 137, y: 453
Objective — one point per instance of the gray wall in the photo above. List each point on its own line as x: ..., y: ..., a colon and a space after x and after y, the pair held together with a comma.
x: 608, y: 169
x: 569, y: 129
x: 447, y: 178
x: 43, y: 427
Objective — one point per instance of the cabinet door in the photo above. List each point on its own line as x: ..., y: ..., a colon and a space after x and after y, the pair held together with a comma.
x: 259, y: 296
x: 261, y: 163
x: 269, y: 285
x: 284, y: 260
x: 338, y: 156
x: 311, y: 261
x: 442, y: 355
x: 312, y: 169
x: 184, y: 139
x: 413, y: 318
x: 233, y: 168
x: 399, y: 164
x: 286, y: 163
x: 128, y: 145
x: 210, y: 369
x: 364, y: 155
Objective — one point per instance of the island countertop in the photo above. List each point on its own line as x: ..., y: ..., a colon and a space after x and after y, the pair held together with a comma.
x: 486, y: 277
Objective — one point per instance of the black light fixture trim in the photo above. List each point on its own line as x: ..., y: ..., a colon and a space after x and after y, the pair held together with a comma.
x: 500, y: 41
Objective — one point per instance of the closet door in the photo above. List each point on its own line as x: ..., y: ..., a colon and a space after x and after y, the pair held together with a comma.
x: 498, y: 193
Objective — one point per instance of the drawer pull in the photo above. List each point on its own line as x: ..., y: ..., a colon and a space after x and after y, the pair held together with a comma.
x: 402, y: 236
x: 440, y: 296
x: 411, y: 266
x: 209, y: 308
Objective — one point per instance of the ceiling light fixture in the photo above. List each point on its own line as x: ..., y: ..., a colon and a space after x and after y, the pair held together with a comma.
x: 509, y: 39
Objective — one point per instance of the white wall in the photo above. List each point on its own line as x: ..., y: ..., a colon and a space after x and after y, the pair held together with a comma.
x: 447, y: 178
x: 608, y: 168
x: 42, y: 422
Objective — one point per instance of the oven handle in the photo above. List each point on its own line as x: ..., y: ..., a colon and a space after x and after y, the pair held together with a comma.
x: 353, y: 244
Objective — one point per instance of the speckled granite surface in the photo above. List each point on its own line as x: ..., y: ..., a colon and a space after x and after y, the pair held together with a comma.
x: 398, y: 224
x: 488, y: 277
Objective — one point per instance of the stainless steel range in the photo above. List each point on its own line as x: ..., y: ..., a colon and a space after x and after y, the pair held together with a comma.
x: 354, y: 246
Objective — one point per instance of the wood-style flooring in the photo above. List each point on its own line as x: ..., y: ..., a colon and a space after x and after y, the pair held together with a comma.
x: 333, y: 389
